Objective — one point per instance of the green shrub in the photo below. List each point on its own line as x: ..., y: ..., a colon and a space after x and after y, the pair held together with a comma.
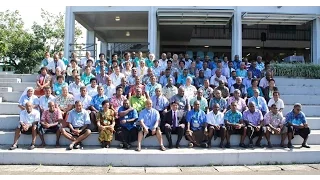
x: 311, y: 71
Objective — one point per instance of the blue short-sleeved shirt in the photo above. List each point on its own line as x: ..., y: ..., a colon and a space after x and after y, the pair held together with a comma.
x: 78, y: 119
x: 57, y: 88
x: 131, y: 115
x: 196, y: 119
x: 33, y: 99
x: 296, y: 119
x: 233, y: 117
x: 97, y: 100
x: 149, y: 117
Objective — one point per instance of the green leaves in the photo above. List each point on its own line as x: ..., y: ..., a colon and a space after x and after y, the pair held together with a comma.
x: 25, y: 50
x: 311, y: 71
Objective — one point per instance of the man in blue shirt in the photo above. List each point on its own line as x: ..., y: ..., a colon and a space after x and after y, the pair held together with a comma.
x: 235, y: 125
x: 256, y: 73
x: 297, y: 125
x: 197, y: 131
x: 149, y: 119
x: 78, y: 123
x: 182, y: 78
x: 127, y: 131
x: 236, y: 62
x: 96, y: 106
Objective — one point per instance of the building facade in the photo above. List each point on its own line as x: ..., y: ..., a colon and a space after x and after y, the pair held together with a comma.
x: 274, y: 32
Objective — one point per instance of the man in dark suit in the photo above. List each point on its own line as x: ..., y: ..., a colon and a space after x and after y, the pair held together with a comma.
x: 174, y: 123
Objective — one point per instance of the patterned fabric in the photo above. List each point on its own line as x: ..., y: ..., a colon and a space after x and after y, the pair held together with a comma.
x: 241, y: 103
x: 222, y: 102
x: 63, y: 102
x: 233, y: 117
x: 43, y: 101
x: 117, y: 103
x: 86, y: 78
x: 97, y: 100
x: 296, y: 119
x: 254, y: 118
x: 51, y: 117
x: 242, y: 73
x: 138, y: 103
x: 206, y: 91
x: 260, y: 103
x: 196, y: 119
x: 151, y: 89
x: 168, y: 92
x: 106, y: 118
x: 203, y: 103
x: 274, y: 119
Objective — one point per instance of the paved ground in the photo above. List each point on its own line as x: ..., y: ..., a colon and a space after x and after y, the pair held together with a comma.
x: 302, y: 169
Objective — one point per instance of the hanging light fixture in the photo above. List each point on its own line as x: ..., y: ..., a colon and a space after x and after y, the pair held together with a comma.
x: 117, y: 18
x: 127, y: 33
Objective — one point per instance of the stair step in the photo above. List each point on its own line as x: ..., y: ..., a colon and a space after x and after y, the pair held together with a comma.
x: 309, y: 110
x: 18, y: 87
x: 300, y: 82
x: 23, y: 77
x: 298, y: 90
x: 9, y: 108
x: 11, y: 96
x: 152, y: 157
x: 10, y: 80
x: 302, y: 99
x: 5, y: 89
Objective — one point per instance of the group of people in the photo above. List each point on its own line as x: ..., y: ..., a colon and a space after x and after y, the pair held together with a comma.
x: 136, y: 97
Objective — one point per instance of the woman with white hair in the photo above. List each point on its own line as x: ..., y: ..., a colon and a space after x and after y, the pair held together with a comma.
x: 28, y: 96
x: 150, y: 59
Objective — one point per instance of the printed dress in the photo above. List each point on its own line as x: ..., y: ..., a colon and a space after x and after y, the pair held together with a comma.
x: 106, y: 119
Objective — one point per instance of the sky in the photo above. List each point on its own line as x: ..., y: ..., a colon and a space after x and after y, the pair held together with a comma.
x: 33, y: 14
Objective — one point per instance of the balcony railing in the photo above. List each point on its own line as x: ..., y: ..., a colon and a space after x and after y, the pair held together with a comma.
x: 252, y: 33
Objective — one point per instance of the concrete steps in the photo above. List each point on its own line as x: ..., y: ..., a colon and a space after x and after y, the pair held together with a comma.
x: 303, y: 99
x: 9, y: 108
x: 96, y: 156
x: 5, y: 89
x: 6, y: 138
x: 300, y: 82
x: 23, y: 77
x: 18, y: 86
x: 302, y: 90
x: 11, y: 80
x: 11, y: 96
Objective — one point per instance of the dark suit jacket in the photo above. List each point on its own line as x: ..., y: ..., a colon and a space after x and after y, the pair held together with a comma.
x: 181, y: 116
x: 266, y: 92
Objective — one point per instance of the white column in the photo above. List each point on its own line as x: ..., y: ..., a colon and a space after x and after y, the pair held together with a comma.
x: 152, y: 30
x: 69, y: 32
x: 91, y: 41
x: 315, y: 41
x: 236, y: 48
x: 103, y: 48
x: 157, y: 53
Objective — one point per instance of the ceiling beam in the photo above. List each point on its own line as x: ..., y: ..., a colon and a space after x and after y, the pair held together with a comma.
x: 108, y: 28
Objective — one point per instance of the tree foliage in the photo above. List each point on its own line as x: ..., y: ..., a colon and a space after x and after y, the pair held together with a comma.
x: 51, y: 33
x: 24, y: 50
x: 19, y: 48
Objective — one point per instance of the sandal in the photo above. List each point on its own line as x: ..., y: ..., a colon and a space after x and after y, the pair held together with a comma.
x: 32, y: 146
x: 162, y: 148
x: 190, y: 145
x: 70, y: 146
x: 138, y: 149
x: 13, y: 147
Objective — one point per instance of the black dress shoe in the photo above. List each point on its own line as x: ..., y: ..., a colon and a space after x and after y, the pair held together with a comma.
x: 242, y: 145
x: 170, y: 146
x: 290, y: 145
x: 228, y: 145
x: 305, y: 145
x: 103, y: 144
x: 178, y: 146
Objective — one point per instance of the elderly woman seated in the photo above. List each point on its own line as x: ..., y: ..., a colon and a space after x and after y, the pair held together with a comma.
x: 28, y: 96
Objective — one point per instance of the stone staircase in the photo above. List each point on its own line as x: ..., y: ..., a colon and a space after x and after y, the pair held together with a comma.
x: 292, y: 90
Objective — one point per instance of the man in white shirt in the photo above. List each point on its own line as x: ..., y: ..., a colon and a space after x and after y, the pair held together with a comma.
x: 83, y: 61
x: 215, y: 121
x: 163, y: 61
x: 214, y: 80
x: 74, y: 88
x: 109, y: 88
x: 29, y: 119
x: 84, y: 98
x: 92, y: 87
x: 277, y: 101
x: 45, y: 99
x: 116, y: 76
x: 56, y: 63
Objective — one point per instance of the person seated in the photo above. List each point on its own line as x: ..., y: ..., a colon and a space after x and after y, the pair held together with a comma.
x: 125, y: 87
x: 217, y: 99
x: 190, y: 91
x: 54, y: 77
x: 242, y: 72
x: 218, y: 79
x: 232, y: 79
x: 152, y: 86
x: 275, y: 124
x: 47, y: 59
x: 268, y: 91
x: 182, y: 78
x: 146, y: 79
x: 138, y: 84
x: 254, y: 120
x: 74, y: 88
x: 64, y: 103
x: 277, y: 101
x: 127, y: 71
x: 87, y: 76
x: 106, y: 123
x: 238, y: 85
x: 203, y: 101
x: 74, y: 68
x: 197, y: 131
x: 56, y: 63
x: 235, y: 125
x: 116, y: 100
x: 50, y: 122
x: 169, y: 90
x: 138, y: 101
x: 160, y: 102
x: 78, y: 121
x: 174, y: 123
x: 224, y: 90
x: 259, y: 101
x: 43, y: 80
x: 90, y: 65
x: 28, y: 96
x: 101, y: 67
x: 102, y: 77
x: 92, y: 87
x: 256, y: 73
x: 199, y: 81
x: 184, y: 103
x: 254, y: 86
x: 29, y: 119
x: 149, y: 119
x: 164, y: 79
x: 109, y: 88
x: 142, y: 69
x: 57, y: 86
x: 241, y: 103
x: 215, y: 121
x: 297, y: 125
x: 264, y: 82
x: 45, y: 99
x: 84, y: 98
x: 127, y: 131
x: 132, y: 78
x: 95, y: 107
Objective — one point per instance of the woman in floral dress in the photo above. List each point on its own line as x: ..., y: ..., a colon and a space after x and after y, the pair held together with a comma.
x: 106, y: 123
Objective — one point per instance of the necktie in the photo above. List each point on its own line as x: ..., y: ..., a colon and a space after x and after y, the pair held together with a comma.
x: 174, y: 122
x: 55, y: 64
x: 157, y: 102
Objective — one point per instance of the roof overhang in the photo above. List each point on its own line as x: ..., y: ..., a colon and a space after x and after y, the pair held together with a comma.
x: 193, y: 16
x: 278, y: 19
